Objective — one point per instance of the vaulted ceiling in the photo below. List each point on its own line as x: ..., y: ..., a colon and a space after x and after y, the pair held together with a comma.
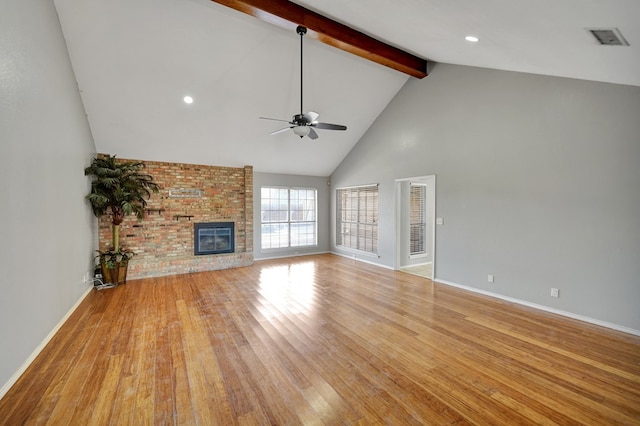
x: 135, y: 60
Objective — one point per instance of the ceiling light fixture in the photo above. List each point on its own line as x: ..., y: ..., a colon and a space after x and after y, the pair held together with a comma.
x: 188, y: 100
x: 301, y: 130
x: 472, y: 39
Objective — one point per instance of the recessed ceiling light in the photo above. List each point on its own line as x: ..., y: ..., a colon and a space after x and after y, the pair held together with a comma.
x: 472, y: 39
x: 188, y: 100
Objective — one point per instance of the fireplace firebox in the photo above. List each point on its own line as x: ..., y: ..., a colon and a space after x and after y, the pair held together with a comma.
x: 213, y: 238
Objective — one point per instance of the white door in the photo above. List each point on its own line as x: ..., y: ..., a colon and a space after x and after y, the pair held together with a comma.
x: 415, y: 222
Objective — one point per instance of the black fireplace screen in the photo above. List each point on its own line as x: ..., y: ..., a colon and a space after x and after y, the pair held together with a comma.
x: 213, y: 238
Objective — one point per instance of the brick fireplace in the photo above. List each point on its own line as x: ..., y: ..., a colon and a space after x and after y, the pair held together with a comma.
x: 190, y: 195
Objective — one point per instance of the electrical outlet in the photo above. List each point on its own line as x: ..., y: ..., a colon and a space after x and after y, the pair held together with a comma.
x: 555, y: 292
x: 86, y: 278
x: 489, y: 278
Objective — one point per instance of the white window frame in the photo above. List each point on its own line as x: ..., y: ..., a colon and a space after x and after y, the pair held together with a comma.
x: 284, y: 225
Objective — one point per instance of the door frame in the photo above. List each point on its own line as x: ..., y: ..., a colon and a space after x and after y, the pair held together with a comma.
x: 401, y: 209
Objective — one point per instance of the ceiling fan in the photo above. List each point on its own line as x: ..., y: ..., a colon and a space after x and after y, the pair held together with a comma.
x: 303, y: 124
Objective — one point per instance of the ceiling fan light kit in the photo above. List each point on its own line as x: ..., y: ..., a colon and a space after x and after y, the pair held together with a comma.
x: 302, y: 124
x: 301, y: 131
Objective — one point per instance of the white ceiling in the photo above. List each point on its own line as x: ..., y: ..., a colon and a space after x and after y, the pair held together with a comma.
x: 135, y: 60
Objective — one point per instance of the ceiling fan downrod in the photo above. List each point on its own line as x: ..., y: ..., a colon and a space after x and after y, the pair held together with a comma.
x: 302, y: 31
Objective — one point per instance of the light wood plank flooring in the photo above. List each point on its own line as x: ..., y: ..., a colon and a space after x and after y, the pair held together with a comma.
x: 422, y: 270
x: 322, y: 340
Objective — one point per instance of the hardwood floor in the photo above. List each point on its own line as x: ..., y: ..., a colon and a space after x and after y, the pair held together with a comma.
x: 322, y: 340
x: 424, y: 270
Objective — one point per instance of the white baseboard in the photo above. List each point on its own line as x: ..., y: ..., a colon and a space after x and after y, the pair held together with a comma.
x: 284, y: 255
x: 354, y: 256
x: 14, y: 378
x: 578, y: 317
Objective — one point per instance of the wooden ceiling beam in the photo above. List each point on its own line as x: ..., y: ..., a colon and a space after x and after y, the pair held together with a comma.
x: 289, y: 15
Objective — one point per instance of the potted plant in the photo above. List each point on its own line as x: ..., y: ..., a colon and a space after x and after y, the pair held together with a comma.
x: 119, y: 188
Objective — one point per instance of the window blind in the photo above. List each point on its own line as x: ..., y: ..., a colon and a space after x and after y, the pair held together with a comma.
x: 357, y: 218
x: 417, y: 219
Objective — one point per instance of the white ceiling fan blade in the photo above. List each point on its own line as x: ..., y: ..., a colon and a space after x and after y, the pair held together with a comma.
x: 281, y: 130
x: 311, y: 116
x: 312, y: 134
x: 275, y: 119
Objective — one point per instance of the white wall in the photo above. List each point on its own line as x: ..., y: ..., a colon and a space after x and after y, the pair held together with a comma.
x: 538, y: 182
x: 292, y: 181
x: 45, y: 143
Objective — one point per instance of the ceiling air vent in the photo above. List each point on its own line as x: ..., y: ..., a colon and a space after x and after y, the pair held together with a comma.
x: 608, y: 36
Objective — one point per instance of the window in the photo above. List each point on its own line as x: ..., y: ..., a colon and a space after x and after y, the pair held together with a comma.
x: 417, y: 218
x: 357, y: 218
x: 288, y: 217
